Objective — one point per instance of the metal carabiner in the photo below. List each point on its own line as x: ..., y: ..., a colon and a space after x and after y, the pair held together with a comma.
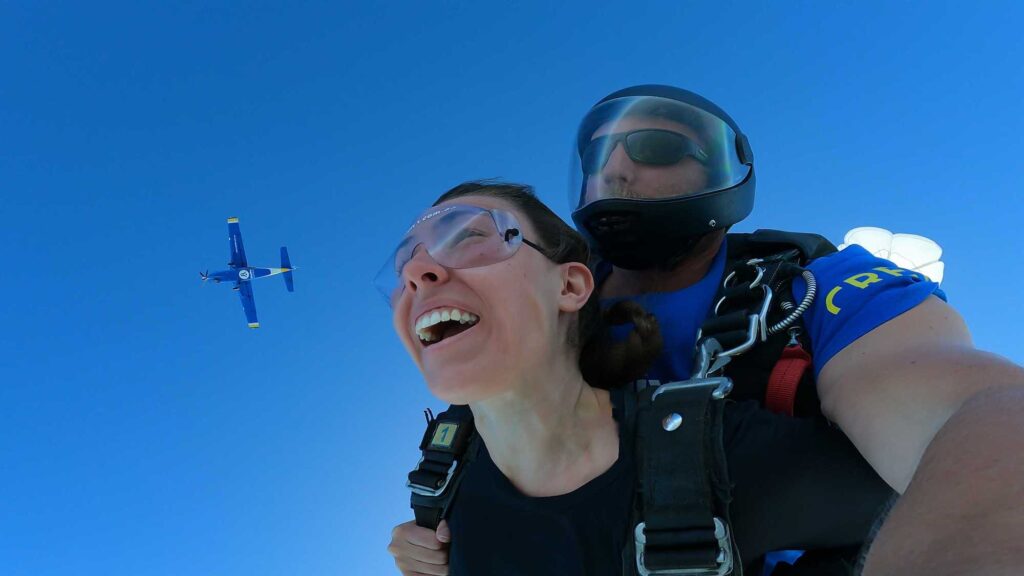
x: 757, y: 280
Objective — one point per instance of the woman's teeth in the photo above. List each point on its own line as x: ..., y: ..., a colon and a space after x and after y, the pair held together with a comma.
x: 426, y: 322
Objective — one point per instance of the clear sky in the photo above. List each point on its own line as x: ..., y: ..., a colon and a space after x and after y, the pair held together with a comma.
x: 144, y: 429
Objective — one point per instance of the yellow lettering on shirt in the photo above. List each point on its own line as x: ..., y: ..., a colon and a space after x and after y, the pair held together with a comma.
x: 897, y: 272
x: 828, y: 300
x: 863, y: 280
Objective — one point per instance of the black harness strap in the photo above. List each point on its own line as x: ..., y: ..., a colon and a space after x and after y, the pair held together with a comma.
x: 682, y: 482
x: 448, y: 445
x: 766, y: 241
x: 682, y: 511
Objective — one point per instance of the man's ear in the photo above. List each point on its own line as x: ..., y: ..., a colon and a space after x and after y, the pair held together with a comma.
x: 577, y: 286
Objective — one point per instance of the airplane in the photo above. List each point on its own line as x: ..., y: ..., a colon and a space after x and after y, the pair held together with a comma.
x: 242, y: 274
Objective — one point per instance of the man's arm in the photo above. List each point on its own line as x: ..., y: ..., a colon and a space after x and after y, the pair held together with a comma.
x: 943, y: 423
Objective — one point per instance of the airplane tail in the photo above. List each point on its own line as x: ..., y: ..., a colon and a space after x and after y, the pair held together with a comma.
x: 286, y: 263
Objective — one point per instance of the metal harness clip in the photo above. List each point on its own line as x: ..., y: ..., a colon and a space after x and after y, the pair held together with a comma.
x: 721, y: 385
x: 724, y: 558
x: 426, y: 490
x: 758, y: 324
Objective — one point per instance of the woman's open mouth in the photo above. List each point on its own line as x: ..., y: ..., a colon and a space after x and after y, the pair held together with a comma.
x: 441, y: 323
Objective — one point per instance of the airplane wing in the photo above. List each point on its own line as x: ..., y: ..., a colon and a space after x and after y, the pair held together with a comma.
x: 237, y: 250
x: 248, y: 303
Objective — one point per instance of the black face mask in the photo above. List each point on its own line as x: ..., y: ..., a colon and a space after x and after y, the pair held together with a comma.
x: 645, y: 234
x: 627, y: 243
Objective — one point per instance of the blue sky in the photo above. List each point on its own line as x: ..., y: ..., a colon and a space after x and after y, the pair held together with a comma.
x: 145, y: 430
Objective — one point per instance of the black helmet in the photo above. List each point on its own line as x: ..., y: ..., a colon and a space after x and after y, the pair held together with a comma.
x: 656, y: 168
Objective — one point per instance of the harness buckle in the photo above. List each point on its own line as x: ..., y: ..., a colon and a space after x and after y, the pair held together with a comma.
x: 758, y: 324
x: 724, y: 558
x: 424, y: 490
x: 722, y: 386
x: 709, y: 350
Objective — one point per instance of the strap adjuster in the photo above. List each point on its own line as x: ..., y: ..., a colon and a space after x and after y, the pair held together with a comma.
x: 424, y: 490
x: 722, y: 386
x: 724, y: 558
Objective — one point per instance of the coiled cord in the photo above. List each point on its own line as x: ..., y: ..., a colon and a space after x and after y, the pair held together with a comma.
x: 812, y: 291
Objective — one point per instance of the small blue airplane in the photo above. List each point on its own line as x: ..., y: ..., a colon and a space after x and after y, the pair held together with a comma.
x: 242, y: 274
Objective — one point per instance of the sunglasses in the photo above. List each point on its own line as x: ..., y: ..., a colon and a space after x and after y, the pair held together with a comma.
x: 457, y: 237
x: 648, y: 146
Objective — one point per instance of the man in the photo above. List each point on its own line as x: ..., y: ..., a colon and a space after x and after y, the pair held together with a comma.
x: 662, y: 174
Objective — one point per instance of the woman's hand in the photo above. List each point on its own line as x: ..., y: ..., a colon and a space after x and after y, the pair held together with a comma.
x: 420, y: 551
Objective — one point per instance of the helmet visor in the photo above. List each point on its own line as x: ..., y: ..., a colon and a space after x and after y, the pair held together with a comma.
x: 653, y: 148
x: 455, y: 236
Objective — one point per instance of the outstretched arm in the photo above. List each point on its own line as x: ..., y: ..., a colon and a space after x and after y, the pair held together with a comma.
x: 943, y: 423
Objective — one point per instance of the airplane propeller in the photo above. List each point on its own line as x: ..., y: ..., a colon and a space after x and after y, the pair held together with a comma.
x: 205, y: 275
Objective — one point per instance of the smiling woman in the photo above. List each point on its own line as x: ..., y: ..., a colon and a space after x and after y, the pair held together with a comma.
x: 462, y: 256
x: 514, y: 334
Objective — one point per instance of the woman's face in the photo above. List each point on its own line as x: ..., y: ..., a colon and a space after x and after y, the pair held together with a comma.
x: 503, y: 317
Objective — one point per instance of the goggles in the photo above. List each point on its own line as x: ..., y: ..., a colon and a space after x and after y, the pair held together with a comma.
x: 456, y: 236
x: 650, y: 146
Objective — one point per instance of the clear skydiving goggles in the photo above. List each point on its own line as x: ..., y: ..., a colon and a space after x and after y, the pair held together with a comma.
x: 455, y: 236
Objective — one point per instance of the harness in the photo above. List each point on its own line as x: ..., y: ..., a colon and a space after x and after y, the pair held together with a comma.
x: 681, y: 522
x: 449, y: 444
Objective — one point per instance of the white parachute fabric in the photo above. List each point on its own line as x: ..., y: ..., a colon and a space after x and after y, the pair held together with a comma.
x: 909, y: 251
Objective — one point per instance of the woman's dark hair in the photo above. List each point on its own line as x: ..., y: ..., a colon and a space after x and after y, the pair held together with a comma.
x: 604, y: 363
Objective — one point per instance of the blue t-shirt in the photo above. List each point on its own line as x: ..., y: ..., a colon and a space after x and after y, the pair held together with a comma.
x: 857, y: 292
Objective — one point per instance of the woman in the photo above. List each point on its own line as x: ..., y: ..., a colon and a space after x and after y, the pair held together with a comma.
x: 490, y: 292
x: 517, y: 353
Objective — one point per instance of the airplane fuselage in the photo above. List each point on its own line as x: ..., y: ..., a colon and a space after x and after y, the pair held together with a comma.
x: 246, y: 274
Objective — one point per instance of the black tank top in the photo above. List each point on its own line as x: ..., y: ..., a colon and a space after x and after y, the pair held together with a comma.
x: 792, y: 480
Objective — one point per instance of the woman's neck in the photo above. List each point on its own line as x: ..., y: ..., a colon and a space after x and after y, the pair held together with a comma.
x: 550, y: 435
